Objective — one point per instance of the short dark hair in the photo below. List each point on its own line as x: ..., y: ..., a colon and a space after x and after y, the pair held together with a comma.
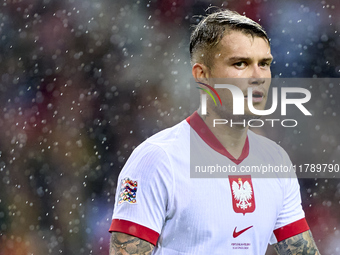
x: 211, y: 29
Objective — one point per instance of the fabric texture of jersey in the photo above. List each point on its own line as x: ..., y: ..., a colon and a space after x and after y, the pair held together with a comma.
x: 157, y: 200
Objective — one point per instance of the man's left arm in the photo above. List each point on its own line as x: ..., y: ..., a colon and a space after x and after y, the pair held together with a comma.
x: 299, y: 244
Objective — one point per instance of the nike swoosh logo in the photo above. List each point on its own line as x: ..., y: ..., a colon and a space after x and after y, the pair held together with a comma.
x: 236, y: 234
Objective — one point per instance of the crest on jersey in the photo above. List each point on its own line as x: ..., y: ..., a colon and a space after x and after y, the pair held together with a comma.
x: 242, y: 193
x: 128, y: 190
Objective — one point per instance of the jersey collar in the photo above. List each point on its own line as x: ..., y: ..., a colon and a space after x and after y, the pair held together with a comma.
x: 196, y: 122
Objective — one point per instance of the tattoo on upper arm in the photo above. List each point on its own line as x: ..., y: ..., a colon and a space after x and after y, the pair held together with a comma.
x: 127, y: 244
x: 300, y: 244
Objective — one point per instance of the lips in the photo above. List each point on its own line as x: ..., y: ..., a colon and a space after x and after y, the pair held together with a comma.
x: 257, y: 96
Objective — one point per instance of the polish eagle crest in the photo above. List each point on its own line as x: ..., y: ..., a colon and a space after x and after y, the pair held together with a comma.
x: 242, y: 192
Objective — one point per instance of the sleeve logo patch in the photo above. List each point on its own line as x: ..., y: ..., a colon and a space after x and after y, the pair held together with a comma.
x: 128, y: 190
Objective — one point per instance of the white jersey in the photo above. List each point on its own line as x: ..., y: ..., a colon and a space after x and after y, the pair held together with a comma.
x: 159, y: 202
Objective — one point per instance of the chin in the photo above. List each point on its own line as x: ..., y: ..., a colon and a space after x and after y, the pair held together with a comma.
x: 249, y: 116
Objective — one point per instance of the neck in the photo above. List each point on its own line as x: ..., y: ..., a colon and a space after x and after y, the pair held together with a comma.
x: 231, y: 137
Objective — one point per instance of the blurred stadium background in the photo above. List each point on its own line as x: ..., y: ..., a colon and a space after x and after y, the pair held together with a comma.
x: 82, y: 83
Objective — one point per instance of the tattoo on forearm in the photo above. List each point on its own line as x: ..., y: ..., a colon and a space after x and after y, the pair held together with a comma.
x: 300, y: 244
x: 126, y: 244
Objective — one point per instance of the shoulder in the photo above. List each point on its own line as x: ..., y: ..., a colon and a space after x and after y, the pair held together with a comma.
x: 158, y: 151
x: 165, y: 142
x: 174, y: 134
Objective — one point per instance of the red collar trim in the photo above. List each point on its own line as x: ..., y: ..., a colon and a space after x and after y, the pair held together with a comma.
x: 196, y: 122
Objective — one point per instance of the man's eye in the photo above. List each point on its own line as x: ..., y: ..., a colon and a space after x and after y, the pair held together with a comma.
x: 265, y: 64
x: 240, y: 64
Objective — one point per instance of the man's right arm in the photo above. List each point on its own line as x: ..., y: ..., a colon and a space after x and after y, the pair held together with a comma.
x: 299, y: 244
x: 122, y: 244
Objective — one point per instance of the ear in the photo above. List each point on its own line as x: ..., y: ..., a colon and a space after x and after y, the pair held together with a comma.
x: 200, y: 72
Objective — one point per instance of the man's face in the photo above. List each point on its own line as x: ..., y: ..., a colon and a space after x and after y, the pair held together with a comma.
x: 245, y: 60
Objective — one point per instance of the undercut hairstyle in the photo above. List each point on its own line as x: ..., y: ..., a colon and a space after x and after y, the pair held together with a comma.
x: 211, y: 29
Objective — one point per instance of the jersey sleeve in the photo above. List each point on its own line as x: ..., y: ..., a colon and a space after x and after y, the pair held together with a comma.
x: 291, y: 219
x: 143, y: 194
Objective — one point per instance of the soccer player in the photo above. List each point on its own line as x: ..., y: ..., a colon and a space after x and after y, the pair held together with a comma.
x: 159, y: 209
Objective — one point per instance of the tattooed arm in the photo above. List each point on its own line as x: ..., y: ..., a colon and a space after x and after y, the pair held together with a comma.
x: 123, y: 244
x: 300, y: 244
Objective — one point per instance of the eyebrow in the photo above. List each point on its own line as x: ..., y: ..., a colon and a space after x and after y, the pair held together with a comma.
x: 247, y: 59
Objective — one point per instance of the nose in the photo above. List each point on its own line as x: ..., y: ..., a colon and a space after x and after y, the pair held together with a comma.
x: 257, y: 76
x: 256, y: 81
